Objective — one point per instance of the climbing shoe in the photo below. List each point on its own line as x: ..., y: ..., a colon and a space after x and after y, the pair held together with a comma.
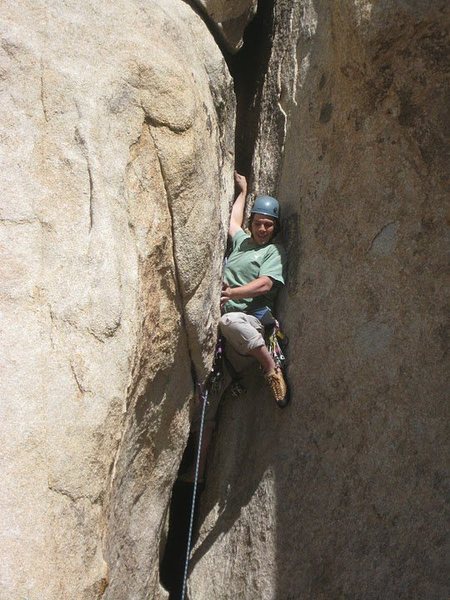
x: 278, y: 386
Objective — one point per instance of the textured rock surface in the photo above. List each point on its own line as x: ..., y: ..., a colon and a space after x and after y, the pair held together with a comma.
x: 230, y: 18
x: 117, y: 137
x: 116, y: 146
x: 344, y: 494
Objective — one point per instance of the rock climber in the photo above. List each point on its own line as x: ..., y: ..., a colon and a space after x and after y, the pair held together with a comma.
x: 253, y: 275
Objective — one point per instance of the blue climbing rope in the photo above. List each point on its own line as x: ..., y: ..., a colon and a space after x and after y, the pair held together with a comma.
x: 204, y: 397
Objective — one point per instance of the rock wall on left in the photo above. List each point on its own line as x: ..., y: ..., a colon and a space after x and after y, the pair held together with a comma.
x: 117, y: 151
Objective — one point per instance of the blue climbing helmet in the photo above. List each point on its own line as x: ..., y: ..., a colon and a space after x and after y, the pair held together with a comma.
x: 266, y: 205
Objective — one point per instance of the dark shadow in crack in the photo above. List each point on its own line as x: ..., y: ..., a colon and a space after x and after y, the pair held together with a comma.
x: 174, y: 557
x: 248, y: 68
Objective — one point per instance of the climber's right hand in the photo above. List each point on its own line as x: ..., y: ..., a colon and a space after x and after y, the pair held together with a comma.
x: 241, y: 181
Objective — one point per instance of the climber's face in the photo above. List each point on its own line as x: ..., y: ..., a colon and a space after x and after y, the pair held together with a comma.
x: 262, y: 228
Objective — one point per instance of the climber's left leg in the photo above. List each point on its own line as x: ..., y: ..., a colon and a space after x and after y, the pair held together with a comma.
x: 245, y: 334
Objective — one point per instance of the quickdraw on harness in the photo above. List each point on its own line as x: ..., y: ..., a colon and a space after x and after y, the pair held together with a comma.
x: 275, y: 341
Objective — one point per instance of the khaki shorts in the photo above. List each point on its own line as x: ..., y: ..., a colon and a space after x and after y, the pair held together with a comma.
x: 242, y: 333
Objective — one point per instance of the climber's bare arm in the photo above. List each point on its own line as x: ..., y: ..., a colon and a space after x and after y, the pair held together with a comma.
x: 257, y: 287
x: 237, y: 212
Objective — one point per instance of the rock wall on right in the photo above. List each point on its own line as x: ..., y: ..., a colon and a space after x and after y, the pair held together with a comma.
x: 344, y: 495
x: 364, y: 185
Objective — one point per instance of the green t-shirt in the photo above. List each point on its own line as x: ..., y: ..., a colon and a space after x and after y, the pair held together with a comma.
x: 247, y: 262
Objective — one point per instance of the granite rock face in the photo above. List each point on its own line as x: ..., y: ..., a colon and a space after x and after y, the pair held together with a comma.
x: 117, y: 137
x: 117, y: 148
x: 344, y: 494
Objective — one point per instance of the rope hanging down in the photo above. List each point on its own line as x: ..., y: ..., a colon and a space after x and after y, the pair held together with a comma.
x: 273, y: 343
x: 204, y: 397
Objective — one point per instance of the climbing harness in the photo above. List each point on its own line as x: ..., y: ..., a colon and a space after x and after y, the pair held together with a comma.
x: 203, y: 392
